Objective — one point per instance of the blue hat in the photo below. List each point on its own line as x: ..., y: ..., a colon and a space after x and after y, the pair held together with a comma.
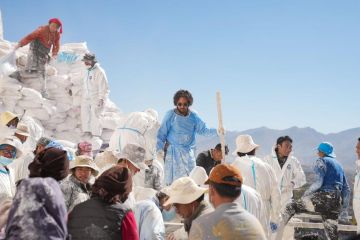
x: 326, y: 148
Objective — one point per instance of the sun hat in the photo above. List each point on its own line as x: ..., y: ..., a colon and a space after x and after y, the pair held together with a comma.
x: 85, y: 161
x: 244, y: 144
x: 183, y: 191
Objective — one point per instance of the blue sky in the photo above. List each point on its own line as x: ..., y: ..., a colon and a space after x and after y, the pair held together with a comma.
x: 277, y: 63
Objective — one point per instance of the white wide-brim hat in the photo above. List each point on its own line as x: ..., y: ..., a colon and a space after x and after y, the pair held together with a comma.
x: 244, y: 144
x: 183, y: 191
x: 199, y: 175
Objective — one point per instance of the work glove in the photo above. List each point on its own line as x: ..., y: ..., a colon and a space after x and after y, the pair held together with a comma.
x: 221, y: 131
x: 99, y: 107
x: 273, y: 227
x: 160, y: 156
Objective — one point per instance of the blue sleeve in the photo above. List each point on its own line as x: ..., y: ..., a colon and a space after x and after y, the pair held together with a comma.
x: 163, y: 131
x: 345, y: 194
x: 202, y: 129
x: 319, y: 169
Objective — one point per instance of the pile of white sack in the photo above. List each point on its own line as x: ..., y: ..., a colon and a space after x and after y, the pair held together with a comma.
x: 59, y: 117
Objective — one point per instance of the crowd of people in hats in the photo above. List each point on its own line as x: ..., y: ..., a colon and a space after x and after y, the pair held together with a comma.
x: 129, y: 191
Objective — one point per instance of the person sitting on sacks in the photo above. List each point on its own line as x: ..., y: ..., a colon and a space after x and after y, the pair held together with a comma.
x: 77, y: 187
x: 42, y: 40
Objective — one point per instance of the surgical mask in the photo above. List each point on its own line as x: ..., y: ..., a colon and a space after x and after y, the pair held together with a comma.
x: 5, y: 161
x: 169, y: 215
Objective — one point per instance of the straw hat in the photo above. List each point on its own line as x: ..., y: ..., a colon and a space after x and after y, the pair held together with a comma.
x: 22, y: 129
x: 84, y: 161
x: 183, y: 190
x: 244, y: 144
x: 6, y: 117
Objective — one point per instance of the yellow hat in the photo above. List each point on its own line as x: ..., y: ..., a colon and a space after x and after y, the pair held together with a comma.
x: 6, y: 117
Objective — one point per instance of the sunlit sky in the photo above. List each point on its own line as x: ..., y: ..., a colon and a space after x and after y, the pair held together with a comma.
x: 276, y: 63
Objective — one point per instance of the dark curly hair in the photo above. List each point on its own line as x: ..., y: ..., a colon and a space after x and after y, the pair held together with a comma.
x: 183, y: 93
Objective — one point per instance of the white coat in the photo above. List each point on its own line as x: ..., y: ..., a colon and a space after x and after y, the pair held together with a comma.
x: 95, y: 89
x: 260, y: 176
x: 7, y: 184
x: 356, y: 196
x: 289, y: 177
x: 252, y: 202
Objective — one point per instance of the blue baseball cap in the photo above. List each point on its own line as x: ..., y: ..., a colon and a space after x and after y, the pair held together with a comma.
x: 326, y: 148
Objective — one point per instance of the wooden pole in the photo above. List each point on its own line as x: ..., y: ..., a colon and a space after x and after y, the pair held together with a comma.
x: 220, y: 126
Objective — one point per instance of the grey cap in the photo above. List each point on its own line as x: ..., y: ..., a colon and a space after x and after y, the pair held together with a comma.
x: 134, y: 153
x: 44, y: 141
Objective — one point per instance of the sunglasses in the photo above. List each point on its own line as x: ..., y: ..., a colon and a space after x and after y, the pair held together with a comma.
x: 182, y: 104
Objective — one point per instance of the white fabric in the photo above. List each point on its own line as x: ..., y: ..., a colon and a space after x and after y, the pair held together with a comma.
x: 95, y: 88
x: 149, y: 221
x: 199, y: 175
x: 20, y: 166
x: 356, y: 197
x: 143, y: 193
x: 138, y: 128
x: 252, y: 202
x: 289, y: 177
x: 7, y: 184
x: 260, y: 176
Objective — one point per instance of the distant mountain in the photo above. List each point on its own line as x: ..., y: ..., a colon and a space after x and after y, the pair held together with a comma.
x: 305, y: 140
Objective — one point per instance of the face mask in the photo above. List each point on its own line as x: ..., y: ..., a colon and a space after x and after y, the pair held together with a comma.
x: 5, y: 161
x: 169, y: 215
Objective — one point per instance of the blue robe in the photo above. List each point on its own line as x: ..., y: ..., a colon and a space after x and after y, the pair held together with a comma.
x: 179, y: 132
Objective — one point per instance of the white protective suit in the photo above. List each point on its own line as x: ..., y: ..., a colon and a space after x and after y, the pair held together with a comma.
x: 260, y: 176
x: 139, y: 128
x: 356, y: 197
x: 252, y: 202
x: 20, y: 165
x: 290, y: 177
x: 149, y: 221
x: 94, y: 94
x: 7, y: 183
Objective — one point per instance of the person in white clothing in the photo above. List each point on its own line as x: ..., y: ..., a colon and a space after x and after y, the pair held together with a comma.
x: 356, y: 197
x: 260, y: 176
x: 95, y: 92
x: 287, y: 168
x: 10, y: 148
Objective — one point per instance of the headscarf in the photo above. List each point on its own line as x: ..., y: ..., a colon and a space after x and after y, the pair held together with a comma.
x: 51, y: 162
x: 58, y: 22
x: 114, y: 181
x: 55, y: 144
x: 38, y: 211
x: 85, y: 148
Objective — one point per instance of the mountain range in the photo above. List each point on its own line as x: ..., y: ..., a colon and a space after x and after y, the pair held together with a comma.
x: 305, y: 141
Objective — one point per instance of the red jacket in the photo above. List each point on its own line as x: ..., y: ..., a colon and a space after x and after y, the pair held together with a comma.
x: 44, y: 35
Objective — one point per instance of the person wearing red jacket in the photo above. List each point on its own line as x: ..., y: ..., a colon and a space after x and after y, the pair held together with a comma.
x: 42, y: 40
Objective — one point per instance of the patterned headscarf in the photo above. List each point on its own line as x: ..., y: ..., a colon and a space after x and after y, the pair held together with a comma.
x: 85, y: 148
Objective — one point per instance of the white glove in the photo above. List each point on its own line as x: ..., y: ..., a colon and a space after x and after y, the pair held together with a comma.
x: 221, y: 131
x: 160, y: 156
